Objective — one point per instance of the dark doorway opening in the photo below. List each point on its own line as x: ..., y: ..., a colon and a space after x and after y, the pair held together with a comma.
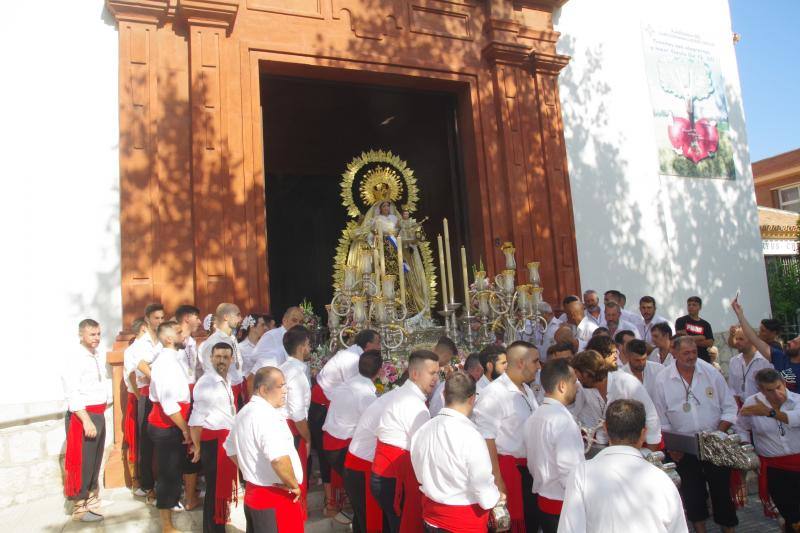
x: 312, y: 129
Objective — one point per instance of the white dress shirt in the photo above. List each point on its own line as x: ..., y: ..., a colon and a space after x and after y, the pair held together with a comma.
x: 625, y: 325
x: 547, y: 338
x: 772, y: 437
x: 298, y: 393
x: 538, y: 390
x: 631, y: 316
x: 708, y: 396
x: 86, y: 378
x: 269, y: 351
x: 259, y: 436
x: 365, y: 436
x: 188, y: 359
x: 348, y: 402
x: 235, y: 370
x: 339, y: 368
x: 246, y: 350
x: 404, y: 414
x: 451, y: 462
x: 500, y: 412
x: 584, y: 332
x: 554, y: 447
x: 600, y: 319
x: 168, y: 383
x: 129, y: 361
x: 213, y: 404
x: 742, y: 377
x: 655, y: 356
x: 620, y: 492
x: 436, y: 402
x: 646, y: 329
x: 590, y: 407
x: 147, y: 350
x: 482, y: 384
x: 650, y: 374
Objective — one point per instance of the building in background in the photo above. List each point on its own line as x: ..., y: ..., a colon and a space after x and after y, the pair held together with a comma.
x: 777, y: 181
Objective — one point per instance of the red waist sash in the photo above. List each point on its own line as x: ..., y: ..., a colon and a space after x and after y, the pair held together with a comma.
x: 546, y: 505
x: 289, y: 514
x: 160, y: 419
x: 236, y: 391
x: 374, y: 513
x: 386, y: 459
x: 302, y: 451
x: 73, y: 460
x: 462, y: 518
x: 129, y: 427
x: 784, y: 462
x: 331, y: 443
x: 227, y: 478
x: 318, y: 396
x: 513, y: 480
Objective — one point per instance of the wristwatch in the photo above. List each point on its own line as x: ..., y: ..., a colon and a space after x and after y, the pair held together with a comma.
x: 772, y: 413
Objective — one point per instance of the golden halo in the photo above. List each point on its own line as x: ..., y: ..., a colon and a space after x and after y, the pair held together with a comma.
x: 380, y: 184
x: 393, y: 164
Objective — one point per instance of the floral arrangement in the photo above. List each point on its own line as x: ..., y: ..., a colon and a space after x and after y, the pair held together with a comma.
x: 310, y: 320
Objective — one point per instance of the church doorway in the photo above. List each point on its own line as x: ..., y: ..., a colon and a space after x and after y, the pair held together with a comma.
x: 312, y: 130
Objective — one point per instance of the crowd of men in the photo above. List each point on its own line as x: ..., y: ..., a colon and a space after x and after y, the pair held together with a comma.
x: 547, y: 432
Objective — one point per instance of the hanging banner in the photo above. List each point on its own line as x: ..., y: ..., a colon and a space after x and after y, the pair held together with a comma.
x: 690, y: 110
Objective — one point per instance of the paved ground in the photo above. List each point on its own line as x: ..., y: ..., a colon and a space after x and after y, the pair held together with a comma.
x: 124, y: 513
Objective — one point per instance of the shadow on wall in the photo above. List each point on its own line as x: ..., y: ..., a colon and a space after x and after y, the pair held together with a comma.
x: 673, y: 247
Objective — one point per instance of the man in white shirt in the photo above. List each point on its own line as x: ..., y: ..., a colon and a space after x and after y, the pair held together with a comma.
x: 500, y: 412
x: 129, y: 422
x: 403, y: 414
x: 615, y: 322
x: 553, y: 442
x: 577, y: 321
x: 255, y: 325
x: 494, y: 362
x: 349, y: 400
x: 213, y: 409
x: 647, y: 372
x: 661, y: 334
x: 269, y: 350
x: 227, y: 317
x: 773, y: 417
x: 297, y: 343
x: 446, y: 350
x: 452, y: 464
x: 168, y: 428
x: 601, y: 386
x: 620, y: 299
x: 553, y: 323
x: 188, y: 319
x: 473, y: 368
x: 594, y: 311
x: 743, y: 367
x: 647, y: 308
x: 621, y: 339
x: 87, y: 389
x: 145, y: 350
x: 339, y: 368
x: 619, y: 491
x: 262, y: 446
x: 691, y: 396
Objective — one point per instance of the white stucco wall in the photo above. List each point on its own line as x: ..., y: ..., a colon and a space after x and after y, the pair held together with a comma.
x: 637, y: 231
x: 60, y: 201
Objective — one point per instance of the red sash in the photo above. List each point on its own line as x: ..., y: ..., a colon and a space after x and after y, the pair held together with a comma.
x: 462, y: 518
x: 130, y: 429
x: 318, y: 396
x: 289, y: 515
x: 160, y: 419
x: 236, y: 390
x: 386, y: 458
x: 302, y: 451
x: 227, y: 476
x: 331, y: 443
x: 374, y: 513
x: 784, y: 462
x: 73, y: 460
x: 513, y: 480
x: 546, y: 505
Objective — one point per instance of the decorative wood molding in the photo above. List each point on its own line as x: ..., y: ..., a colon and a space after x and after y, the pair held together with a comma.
x: 148, y: 11
x: 551, y: 64
x: 215, y: 13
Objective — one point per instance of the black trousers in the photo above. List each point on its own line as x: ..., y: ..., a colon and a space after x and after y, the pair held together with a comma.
x: 208, y: 460
x: 91, y: 455
x: 173, y: 461
x: 356, y: 489
x: 784, y: 489
x: 336, y: 459
x: 530, y: 507
x: 316, y: 418
x: 145, y: 455
x: 260, y: 521
x: 696, y: 475
x: 548, y: 522
x: 383, y: 489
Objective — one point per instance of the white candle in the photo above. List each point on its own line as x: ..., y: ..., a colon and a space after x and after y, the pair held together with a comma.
x: 401, y: 274
x: 450, y: 290
x: 442, y: 271
x: 466, y: 279
x: 380, y: 243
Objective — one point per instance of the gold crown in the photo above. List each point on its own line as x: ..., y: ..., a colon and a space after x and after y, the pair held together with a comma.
x: 380, y: 184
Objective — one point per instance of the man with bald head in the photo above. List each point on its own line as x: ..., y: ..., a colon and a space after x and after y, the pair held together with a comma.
x: 582, y: 326
x: 500, y: 412
x: 565, y: 335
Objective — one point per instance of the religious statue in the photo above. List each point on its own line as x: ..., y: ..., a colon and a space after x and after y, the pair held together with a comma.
x: 382, y: 239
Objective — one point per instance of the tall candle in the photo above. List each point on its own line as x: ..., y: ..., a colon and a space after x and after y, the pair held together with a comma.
x: 466, y: 279
x: 401, y: 274
x: 442, y: 271
x: 383, y: 260
x: 450, y: 290
x: 376, y: 262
